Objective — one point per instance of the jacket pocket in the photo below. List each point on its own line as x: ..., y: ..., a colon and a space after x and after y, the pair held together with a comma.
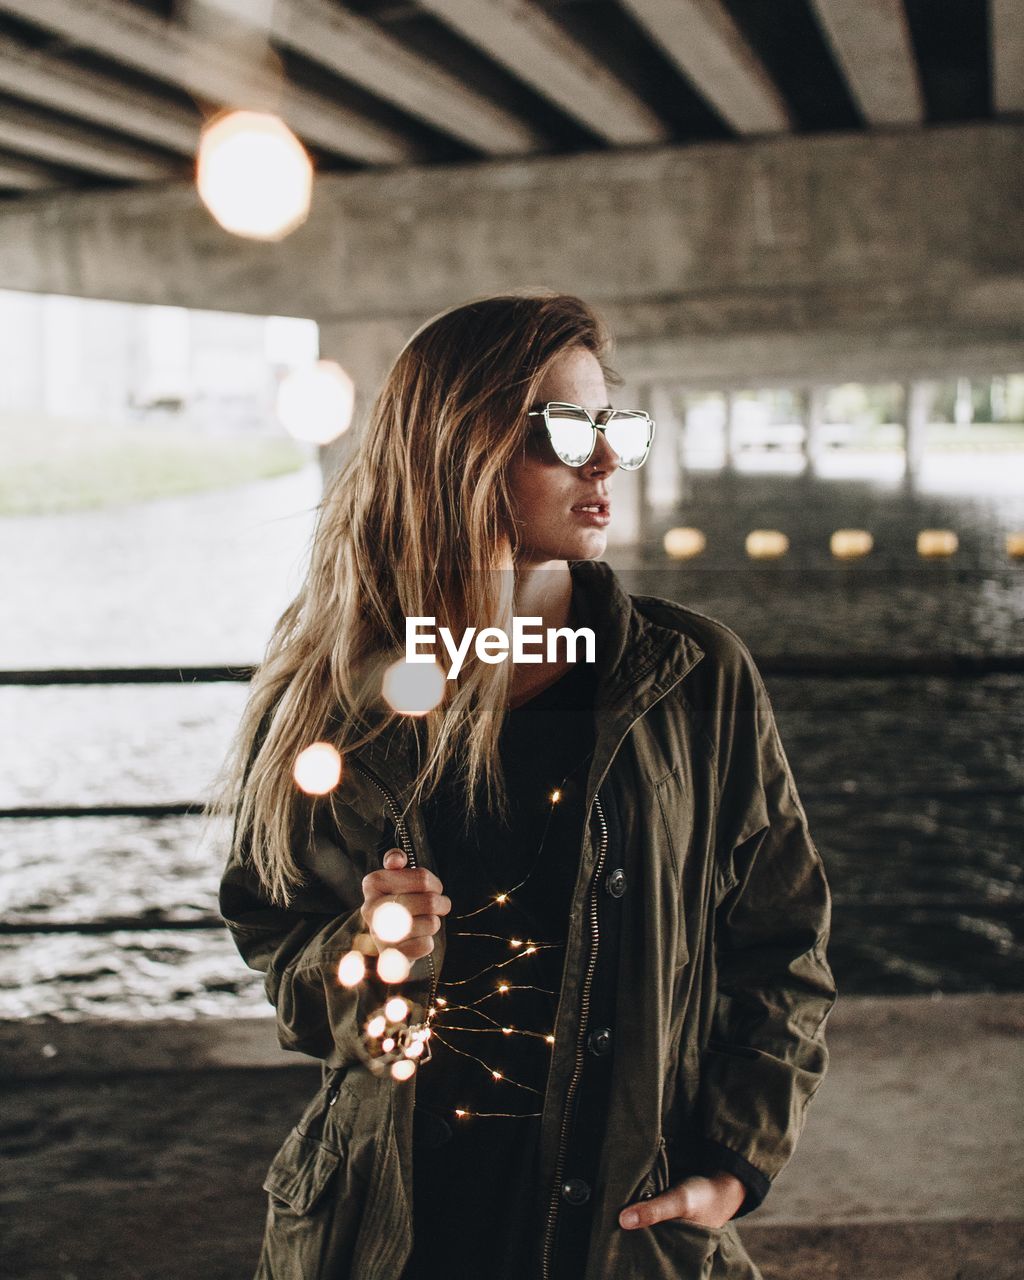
x: 299, y: 1173
x: 675, y: 1248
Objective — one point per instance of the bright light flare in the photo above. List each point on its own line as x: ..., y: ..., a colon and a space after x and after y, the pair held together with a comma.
x: 317, y: 769
x: 393, y: 966
x: 316, y: 404
x: 413, y: 688
x: 403, y: 1069
x: 391, y: 922
x: 351, y: 969
x: 376, y: 1026
x: 254, y: 175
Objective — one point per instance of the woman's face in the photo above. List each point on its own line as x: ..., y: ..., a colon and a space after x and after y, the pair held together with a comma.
x: 546, y: 493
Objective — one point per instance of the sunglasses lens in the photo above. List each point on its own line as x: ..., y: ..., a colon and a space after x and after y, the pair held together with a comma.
x: 629, y: 434
x: 572, y: 434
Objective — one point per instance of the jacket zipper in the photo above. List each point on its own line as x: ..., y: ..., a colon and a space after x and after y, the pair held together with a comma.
x: 549, y: 1231
x: 410, y: 853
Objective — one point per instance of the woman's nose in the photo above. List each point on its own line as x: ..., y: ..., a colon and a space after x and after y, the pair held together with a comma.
x: 604, y: 457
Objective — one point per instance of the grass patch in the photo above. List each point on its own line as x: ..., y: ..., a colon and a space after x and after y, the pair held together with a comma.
x: 49, y: 466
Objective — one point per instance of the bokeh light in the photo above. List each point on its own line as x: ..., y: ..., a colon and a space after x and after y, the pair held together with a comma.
x: 254, y: 175
x: 351, y: 969
x: 391, y: 922
x: 413, y: 688
x: 316, y: 403
x: 317, y: 769
x: 396, y: 1009
x: 393, y: 966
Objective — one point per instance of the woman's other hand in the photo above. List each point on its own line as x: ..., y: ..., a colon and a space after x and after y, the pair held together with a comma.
x: 418, y: 890
x: 709, y: 1201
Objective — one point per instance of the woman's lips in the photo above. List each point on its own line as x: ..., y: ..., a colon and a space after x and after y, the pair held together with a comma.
x: 598, y: 514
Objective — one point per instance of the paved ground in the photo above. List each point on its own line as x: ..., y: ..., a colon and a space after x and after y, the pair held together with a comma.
x: 137, y: 1152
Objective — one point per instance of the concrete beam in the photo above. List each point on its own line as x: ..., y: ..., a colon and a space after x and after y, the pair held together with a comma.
x: 23, y: 175
x: 784, y: 261
x: 702, y: 40
x: 38, y: 77
x: 871, y: 43
x: 78, y: 148
x: 1006, y: 36
x: 357, y: 50
x: 216, y: 73
x: 535, y: 49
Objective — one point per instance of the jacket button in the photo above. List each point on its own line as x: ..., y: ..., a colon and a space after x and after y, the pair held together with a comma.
x: 599, y: 1042
x: 616, y: 882
x: 575, y: 1191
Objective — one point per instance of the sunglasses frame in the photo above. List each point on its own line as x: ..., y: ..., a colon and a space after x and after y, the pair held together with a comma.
x: 565, y: 404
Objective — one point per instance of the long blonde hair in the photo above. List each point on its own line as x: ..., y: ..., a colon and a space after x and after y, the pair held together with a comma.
x: 418, y: 522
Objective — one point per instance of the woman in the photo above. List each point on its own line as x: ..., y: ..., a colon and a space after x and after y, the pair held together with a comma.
x: 619, y: 918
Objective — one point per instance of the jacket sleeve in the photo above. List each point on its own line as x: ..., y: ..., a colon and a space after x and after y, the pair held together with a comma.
x: 298, y: 948
x: 766, y: 1055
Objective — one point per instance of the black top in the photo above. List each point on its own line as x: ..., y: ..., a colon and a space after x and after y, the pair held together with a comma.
x: 475, y: 1185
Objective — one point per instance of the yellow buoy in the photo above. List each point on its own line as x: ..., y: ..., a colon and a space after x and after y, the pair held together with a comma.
x: 934, y: 544
x: 684, y: 543
x: 766, y: 544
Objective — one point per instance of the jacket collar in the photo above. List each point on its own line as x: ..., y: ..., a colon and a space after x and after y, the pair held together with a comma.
x: 639, y: 661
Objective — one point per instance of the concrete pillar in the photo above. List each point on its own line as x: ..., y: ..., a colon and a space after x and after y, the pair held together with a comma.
x: 663, y: 466
x: 813, y: 400
x: 917, y: 400
x: 730, y: 430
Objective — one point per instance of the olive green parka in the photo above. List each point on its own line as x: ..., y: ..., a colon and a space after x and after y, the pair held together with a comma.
x: 723, y: 985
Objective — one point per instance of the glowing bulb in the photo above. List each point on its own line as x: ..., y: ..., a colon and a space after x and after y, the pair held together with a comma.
x: 413, y: 688
x: 684, y: 543
x: 460, y: 1112
x: 391, y: 922
x: 316, y: 403
x: 375, y: 1027
x: 502, y: 898
x: 388, y: 1044
x: 425, y: 1033
x: 497, y: 1075
x: 441, y: 1000
x: 529, y: 951
x: 317, y: 769
x: 502, y: 987
x: 550, y: 1039
x: 556, y: 795
x: 515, y: 942
x: 414, y: 1050
x: 393, y: 966
x: 1015, y: 545
x: 766, y: 544
x: 507, y: 1030
x: 254, y: 175
x: 351, y: 969
x: 403, y: 1069
x: 396, y: 1009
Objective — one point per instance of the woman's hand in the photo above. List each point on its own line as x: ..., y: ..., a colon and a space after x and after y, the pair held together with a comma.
x: 708, y: 1201
x: 418, y: 890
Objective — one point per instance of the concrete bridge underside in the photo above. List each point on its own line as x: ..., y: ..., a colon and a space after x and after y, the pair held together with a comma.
x: 782, y: 261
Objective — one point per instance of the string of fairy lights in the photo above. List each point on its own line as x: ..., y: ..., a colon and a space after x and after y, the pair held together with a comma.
x: 394, y: 1042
